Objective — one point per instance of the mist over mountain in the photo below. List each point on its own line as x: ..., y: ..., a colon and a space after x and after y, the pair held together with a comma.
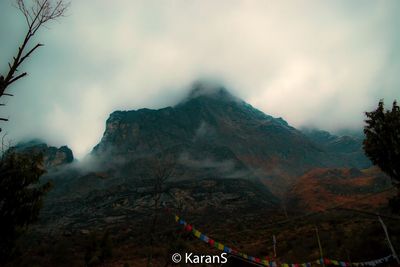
x: 213, y: 133
x: 209, y: 135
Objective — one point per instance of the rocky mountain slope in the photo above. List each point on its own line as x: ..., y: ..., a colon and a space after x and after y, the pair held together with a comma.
x: 211, y: 132
x: 320, y: 189
x: 52, y: 156
x: 347, y: 147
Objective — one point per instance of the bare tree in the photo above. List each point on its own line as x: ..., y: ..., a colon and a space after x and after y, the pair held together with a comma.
x: 37, y: 14
x: 163, y: 170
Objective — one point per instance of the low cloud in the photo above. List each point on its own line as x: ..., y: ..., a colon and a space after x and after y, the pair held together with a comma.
x: 226, y: 166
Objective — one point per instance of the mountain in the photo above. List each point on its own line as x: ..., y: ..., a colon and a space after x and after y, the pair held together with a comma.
x: 52, y: 156
x: 252, y: 161
x: 213, y: 133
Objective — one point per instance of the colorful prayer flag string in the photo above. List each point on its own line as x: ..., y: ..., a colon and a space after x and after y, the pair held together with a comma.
x: 266, y: 261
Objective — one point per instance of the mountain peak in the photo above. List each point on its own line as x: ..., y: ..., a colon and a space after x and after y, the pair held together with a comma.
x: 209, y: 89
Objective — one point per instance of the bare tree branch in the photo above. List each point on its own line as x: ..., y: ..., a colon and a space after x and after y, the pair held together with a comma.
x: 37, y: 13
x: 30, y: 52
x: 17, y: 78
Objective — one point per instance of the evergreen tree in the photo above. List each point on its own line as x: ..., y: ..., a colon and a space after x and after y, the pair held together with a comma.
x: 382, y: 143
x: 21, y: 196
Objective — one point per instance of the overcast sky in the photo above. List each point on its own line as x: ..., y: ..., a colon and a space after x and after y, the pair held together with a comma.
x: 314, y: 63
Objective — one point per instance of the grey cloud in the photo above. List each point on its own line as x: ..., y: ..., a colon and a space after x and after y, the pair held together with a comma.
x: 225, y: 166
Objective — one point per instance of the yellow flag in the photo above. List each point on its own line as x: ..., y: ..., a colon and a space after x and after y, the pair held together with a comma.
x: 196, y: 233
x: 176, y: 218
x: 220, y: 246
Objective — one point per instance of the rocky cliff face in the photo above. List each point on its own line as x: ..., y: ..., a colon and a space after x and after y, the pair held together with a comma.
x: 52, y: 156
x: 213, y: 130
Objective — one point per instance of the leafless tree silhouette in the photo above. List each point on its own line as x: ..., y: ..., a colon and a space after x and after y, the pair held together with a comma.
x: 37, y: 14
x: 163, y: 170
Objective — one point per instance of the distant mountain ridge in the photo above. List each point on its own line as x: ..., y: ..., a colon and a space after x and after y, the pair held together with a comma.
x: 52, y: 156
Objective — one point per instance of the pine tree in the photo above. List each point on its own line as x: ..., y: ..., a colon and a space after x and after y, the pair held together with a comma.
x: 21, y: 197
x: 382, y: 143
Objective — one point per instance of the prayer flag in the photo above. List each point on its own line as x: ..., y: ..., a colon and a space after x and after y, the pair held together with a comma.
x: 196, y: 233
